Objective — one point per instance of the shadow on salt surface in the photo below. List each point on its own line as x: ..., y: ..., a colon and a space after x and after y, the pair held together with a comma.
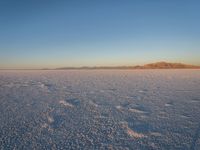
x: 105, y: 115
x: 126, y: 104
x: 140, y: 109
x: 169, y: 104
x: 143, y: 91
x: 73, y: 101
x: 131, y: 132
x: 47, y: 86
x: 139, y: 126
x: 54, y: 121
x: 137, y: 129
x: 64, y: 103
x: 10, y: 85
x: 70, y: 102
x: 195, y: 100
x: 195, y: 138
x: 110, y: 90
x: 185, y: 116
x: 92, y: 103
x: 155, y: 134
x: 134, y: 97
x: 134, y: 108
x: 58, y: 121
x: 15, y: 84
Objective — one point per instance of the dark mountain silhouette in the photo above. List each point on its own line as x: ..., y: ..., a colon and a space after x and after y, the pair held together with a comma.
x: 166, y: 65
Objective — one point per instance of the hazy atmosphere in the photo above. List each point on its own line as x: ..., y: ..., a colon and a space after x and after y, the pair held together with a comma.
x: 51, y: 33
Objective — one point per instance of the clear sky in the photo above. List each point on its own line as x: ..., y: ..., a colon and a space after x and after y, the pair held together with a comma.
x: 61, y: 33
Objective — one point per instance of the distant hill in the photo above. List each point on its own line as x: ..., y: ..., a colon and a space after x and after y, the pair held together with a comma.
x: 157, y: 65
x: 166, y: 65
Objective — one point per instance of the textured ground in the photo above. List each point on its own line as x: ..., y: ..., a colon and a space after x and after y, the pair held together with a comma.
x: 100, y: 109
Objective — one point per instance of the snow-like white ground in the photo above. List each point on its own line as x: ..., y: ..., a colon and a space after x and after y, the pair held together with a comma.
x: 100, y: 109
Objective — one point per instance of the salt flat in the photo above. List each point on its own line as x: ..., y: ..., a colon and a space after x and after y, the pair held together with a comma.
x: 100, y: 109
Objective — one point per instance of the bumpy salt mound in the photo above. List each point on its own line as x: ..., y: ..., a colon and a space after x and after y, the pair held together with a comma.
x: 131, y: 132
x: 62, y: 102
x: 136, y: 111
x: 134, y: 134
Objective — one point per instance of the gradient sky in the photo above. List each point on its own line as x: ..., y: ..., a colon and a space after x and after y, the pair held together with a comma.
x: 59, y: 33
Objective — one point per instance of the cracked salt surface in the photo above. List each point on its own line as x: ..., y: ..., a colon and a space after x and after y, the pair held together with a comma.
x: 100, y: 109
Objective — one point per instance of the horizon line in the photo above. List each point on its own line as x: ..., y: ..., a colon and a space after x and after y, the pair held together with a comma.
x: 156, y: 65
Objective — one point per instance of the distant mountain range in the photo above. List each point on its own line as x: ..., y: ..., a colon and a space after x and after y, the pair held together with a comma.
x: 166, y: 65
x: 157, y: 65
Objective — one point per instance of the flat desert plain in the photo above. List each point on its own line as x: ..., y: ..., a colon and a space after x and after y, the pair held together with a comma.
x: 100, y: 109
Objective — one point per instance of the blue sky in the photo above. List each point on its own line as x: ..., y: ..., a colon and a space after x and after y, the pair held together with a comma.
x: 58, y: 33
